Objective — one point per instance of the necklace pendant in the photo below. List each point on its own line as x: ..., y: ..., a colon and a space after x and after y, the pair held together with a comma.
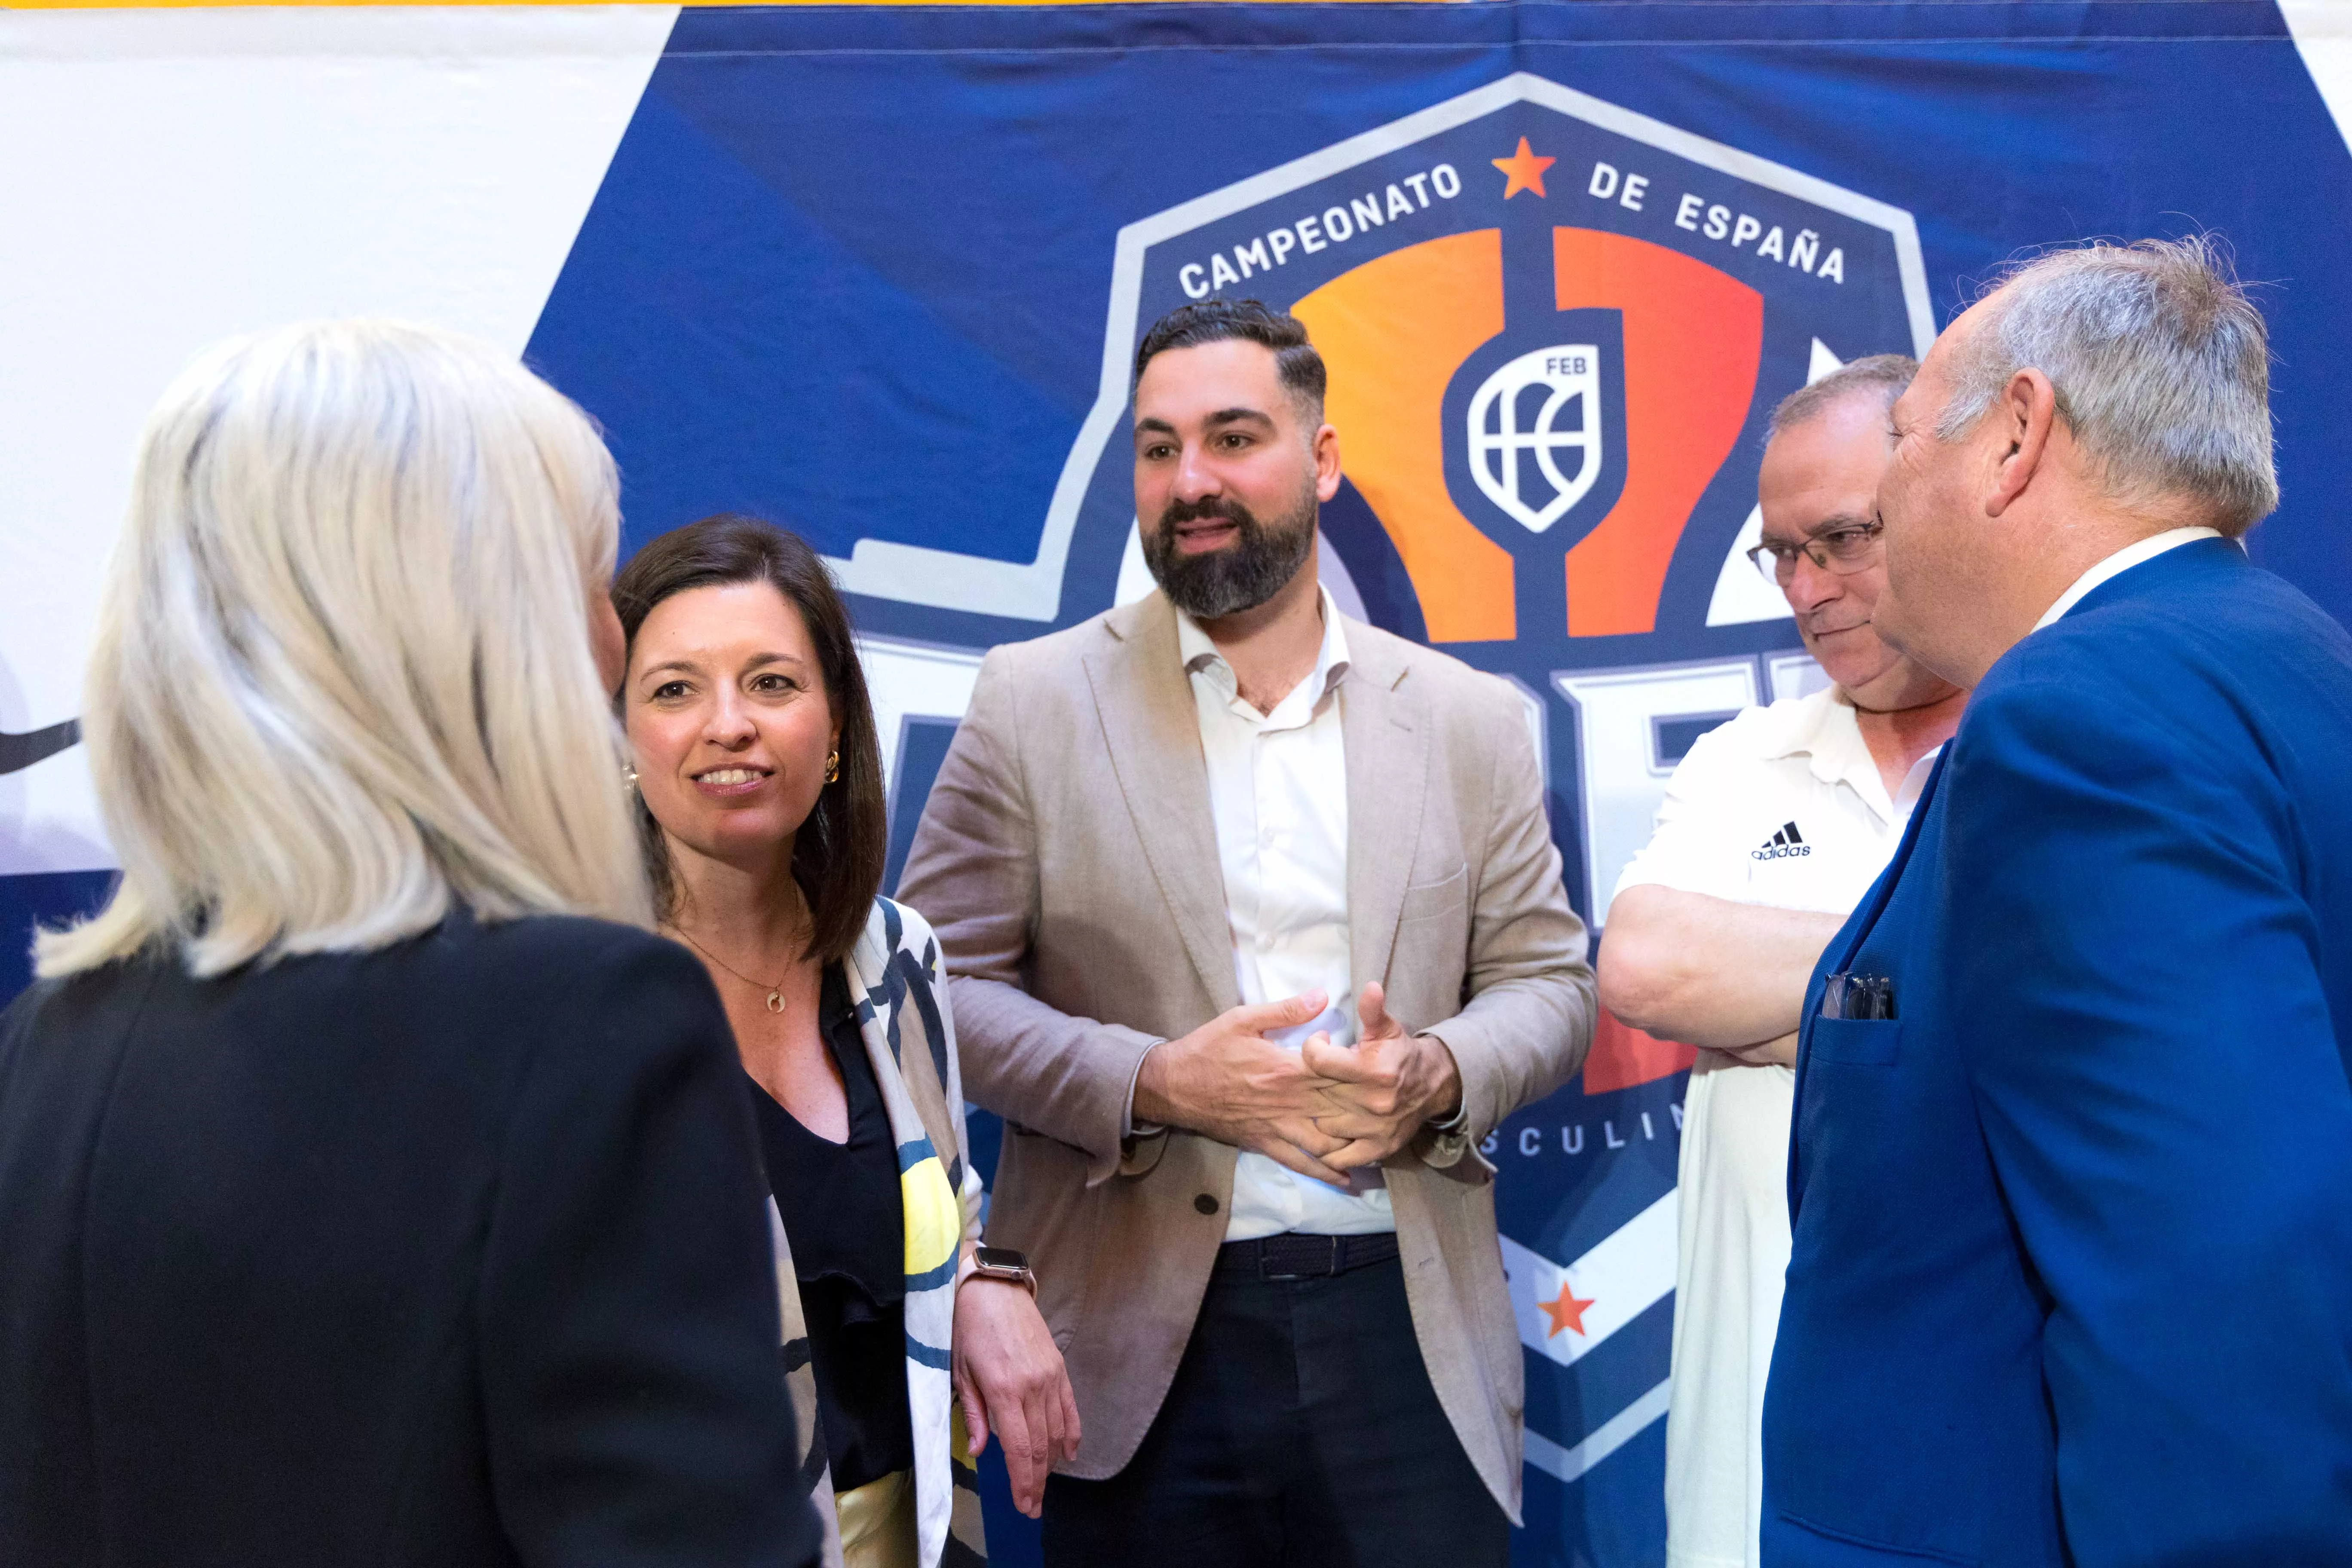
x: 775, y: 1001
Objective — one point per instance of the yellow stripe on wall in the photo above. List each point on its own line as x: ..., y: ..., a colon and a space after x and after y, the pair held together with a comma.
x: 252, y: 5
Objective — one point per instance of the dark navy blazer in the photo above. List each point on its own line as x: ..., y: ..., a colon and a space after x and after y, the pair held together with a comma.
x: 453, y: 1254
x: 2071, y: 1279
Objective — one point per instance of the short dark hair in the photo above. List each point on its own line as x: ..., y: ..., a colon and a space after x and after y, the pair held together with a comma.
x: 839, y: 852
x: 1883, y: 376
x: 1215, y: 321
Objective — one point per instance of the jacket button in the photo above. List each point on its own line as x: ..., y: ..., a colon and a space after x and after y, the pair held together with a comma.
x: 1205, y: 1204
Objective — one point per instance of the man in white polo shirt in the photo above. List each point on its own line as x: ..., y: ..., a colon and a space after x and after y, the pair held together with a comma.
x: 1773, y: 828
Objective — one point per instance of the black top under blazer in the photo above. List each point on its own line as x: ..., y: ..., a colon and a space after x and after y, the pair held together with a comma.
x: 454, y: 1253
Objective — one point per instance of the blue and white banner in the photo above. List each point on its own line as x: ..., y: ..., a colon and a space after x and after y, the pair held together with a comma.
x: 878, y: 273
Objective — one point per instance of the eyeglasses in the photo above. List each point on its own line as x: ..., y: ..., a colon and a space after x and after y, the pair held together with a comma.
x: 1842, y: 550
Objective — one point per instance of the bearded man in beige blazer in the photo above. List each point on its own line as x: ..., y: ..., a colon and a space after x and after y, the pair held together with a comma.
x: 1255, y: 928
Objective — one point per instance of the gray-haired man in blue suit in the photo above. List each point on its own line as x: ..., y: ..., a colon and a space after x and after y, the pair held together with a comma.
x: 2072, y: 1178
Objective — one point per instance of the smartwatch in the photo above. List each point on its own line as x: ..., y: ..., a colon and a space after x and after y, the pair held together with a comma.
x: 1003, y: 1263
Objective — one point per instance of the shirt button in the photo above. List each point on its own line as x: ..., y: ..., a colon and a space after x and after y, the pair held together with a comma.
x: 1205, y: 1204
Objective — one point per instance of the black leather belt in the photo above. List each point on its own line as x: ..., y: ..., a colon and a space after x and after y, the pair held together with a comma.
x: 1294, y: 1255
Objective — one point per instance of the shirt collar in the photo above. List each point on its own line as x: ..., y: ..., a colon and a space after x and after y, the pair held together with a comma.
x: 1821, y: 726
x: 2121, y: 561
x: 1199, y: 653
x: 1822, y: 730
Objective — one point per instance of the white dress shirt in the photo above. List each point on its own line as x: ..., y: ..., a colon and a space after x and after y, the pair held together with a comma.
x: 2121, y: 561
x: 1278, y: 792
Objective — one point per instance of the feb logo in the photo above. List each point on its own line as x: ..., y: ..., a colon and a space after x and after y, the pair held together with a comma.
x: 1540, y: 439
x: 1555, y: 330
x: 1566, y: 423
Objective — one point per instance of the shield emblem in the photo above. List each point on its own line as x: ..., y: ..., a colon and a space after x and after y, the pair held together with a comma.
x: 1535, y: 433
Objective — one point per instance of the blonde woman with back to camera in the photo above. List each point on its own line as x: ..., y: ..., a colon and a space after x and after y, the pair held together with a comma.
x: 372, y: 1186
x: 759, y: 779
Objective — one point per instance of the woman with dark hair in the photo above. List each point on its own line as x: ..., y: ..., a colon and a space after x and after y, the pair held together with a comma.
x: 761, y: 810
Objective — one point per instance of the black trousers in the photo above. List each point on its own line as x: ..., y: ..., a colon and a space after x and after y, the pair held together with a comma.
x: 1301, y: 1432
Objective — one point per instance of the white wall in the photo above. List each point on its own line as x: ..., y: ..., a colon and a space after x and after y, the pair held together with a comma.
x: 172, y: 177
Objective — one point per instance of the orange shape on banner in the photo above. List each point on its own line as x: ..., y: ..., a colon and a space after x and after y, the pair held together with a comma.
x: 1566, y: 1311
x: 1693, y: 340
x: 1523, y: 170
x: 1622, y: 1057
x: 1393, y: 332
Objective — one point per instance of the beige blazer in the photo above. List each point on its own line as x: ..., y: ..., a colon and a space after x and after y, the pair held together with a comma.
x: 1068, y: 862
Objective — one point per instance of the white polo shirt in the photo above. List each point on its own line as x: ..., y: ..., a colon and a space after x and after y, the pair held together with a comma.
x: 1782, y: 805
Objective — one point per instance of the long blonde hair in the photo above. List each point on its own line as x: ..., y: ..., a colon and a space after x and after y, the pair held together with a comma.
x: 342, y: 678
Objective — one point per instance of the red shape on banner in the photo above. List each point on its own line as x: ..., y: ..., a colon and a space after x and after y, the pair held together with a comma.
x: 1622, y: 1057
x: 1523, y: 170
x: 1392, y: 332
x: 1566, y: 1311
x: 1693, y: 340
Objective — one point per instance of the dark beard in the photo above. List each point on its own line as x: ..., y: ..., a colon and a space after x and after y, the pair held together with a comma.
x: 1243, y: 575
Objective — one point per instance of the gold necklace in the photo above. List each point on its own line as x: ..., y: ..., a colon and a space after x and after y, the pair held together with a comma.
x: 775, y: 993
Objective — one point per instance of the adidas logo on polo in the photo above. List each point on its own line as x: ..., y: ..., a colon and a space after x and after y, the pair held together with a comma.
x: 1786, y: 844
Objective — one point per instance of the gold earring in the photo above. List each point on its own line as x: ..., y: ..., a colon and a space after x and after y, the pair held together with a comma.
x: 833, y: 767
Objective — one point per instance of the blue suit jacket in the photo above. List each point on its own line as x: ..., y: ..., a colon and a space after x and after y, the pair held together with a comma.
x: 2071, y: 1279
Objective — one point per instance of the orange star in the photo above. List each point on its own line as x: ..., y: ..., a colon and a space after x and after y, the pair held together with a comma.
x: 1526, y: 171
x: 1567, y: 1312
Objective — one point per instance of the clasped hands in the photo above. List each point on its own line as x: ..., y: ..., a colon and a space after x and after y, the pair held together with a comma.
x: 1321, y: 1110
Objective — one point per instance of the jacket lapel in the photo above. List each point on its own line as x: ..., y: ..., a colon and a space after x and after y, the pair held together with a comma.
x: 1145, y: 702
x: 1884, y: 889
x: 893, y: 1003
x: 1381, y: 725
